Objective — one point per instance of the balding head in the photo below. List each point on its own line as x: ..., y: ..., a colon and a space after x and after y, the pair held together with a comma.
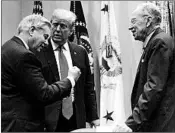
x: 149, y: 9
x: 144, y: 20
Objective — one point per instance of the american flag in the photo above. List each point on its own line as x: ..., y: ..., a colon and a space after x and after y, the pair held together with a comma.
x: 38, y: 8
x: 80, y: 30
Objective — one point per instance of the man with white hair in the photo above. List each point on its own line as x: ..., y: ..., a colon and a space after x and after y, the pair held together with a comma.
x: 81, y: 104
x: 24, y: 91
x: 153, y: 95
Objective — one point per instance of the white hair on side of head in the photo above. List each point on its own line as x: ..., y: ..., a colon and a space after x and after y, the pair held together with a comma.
x: 152, y: 10
x: 32, y: 20
x: 64, y: 14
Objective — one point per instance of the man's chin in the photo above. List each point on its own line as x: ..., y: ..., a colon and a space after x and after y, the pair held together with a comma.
x: 39, y: 49
x: 136, y: 37
x: 56, y: 40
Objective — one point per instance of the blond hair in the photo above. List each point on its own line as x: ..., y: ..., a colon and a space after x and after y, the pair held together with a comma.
x: 64, y: 14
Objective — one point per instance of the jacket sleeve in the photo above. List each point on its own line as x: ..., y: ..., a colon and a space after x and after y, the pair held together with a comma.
x: 33, y: 84
x: 157, y: 74
x: 90, y: 95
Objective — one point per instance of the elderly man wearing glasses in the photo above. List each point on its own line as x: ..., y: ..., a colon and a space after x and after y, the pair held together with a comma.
x: 24, y: 91
x: 153, y: 94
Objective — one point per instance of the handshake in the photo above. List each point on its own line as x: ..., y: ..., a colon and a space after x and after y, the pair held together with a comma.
x: 74, y: 73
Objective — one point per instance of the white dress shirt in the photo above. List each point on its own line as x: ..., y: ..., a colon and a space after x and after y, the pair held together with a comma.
x: 66, y: 52
x: 149, y: 36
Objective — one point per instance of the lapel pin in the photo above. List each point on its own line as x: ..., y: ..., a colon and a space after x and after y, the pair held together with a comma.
x: 142, y: 60
x: 75, y: 53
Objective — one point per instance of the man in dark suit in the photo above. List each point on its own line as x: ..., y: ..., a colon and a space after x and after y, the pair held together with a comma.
x: 153, y: 95
x: 83, y: 94
x: 24, y: 91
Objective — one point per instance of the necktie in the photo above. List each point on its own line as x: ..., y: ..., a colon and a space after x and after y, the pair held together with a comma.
x: 67, y: 109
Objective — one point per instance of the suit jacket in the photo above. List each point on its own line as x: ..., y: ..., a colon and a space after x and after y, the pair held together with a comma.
x: 153, y: 95
x: 84, y: 94
x: 24, y: 91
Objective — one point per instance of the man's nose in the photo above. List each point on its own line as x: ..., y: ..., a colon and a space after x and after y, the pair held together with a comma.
x: 58, y: 28
x: 130, y: 28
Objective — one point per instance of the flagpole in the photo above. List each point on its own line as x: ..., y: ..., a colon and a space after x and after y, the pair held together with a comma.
x: 75, y: 37
x: 108, y: 38
x: 173, y: 20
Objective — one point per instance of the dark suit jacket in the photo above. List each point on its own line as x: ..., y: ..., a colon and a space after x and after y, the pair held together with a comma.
x: 153, y: 95
x: 24, y: 92
x: 85, y: 102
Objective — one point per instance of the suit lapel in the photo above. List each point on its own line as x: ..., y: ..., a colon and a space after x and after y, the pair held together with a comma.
x: 50, y: 57
x: 157, y: 31
x: 73, y: 53
x: 19, y: 41
x: 142, y: 59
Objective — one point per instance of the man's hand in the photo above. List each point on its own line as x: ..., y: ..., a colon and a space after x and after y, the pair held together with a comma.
x: 95, y: 123
x: 121, y: 128
x: 74, y: 72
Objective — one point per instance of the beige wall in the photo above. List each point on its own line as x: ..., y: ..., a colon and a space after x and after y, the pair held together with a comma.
x: 11, y: 15
x: 13, y: 11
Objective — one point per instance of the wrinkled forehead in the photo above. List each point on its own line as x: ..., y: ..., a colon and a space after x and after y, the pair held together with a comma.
x: 136, y: 14
x: 61, y: 17
x: 58, y: 20
x: 46, y: 29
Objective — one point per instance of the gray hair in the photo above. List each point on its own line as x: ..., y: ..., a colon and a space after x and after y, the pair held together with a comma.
x: 32, y: 20
x: 64, y: 14
x: 152, y: 10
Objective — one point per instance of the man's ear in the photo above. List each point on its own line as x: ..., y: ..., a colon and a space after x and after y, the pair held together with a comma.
x: 71, y: 32
x: 72, y: 29
x: 31, y: 30
x: 149, y: 21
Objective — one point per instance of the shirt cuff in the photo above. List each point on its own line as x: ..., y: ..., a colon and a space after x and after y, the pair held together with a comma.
x: 72, y: 81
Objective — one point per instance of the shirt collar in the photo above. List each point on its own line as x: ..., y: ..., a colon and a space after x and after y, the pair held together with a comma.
x: 55, y: 46
x: 149, y: 36
x: 25, y: 44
